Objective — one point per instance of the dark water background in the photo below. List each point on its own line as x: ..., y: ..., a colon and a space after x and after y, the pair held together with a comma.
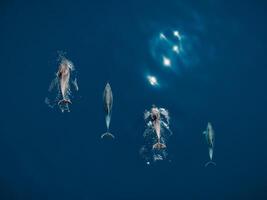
x: 45, y: 154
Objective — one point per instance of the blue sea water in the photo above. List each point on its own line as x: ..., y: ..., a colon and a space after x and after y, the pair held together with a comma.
x: 219, y: 77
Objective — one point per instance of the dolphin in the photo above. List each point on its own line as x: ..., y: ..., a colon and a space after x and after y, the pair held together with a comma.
x: 156, y: 124
x: 108, y: 103
x: 210, y: 138
x: 157, y: 129
x: 63, y: 76
x: 61, y: 88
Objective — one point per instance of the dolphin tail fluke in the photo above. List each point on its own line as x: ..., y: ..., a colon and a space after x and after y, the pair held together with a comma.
x: 210, y: 163
x: 107, y: 135
x: 159, y: 145
x: 64, y: 105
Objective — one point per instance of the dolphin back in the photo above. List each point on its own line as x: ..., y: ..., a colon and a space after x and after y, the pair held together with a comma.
x: 108, y: 98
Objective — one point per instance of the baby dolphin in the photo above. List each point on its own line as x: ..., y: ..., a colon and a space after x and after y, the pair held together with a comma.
x: 210, y: 138
x: 108, y: 102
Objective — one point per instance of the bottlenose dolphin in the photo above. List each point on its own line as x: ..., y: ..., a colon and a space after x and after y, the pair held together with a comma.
x: 210, y: 138
x: 63, y: 75
x: 156, y: 116
x: 108, y: 103
x: 63, y: 85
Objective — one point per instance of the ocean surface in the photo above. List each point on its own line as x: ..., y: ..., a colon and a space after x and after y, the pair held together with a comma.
x: 207, y: 61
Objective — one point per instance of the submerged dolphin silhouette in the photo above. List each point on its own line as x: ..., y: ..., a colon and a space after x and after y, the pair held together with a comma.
x: 108, y: 103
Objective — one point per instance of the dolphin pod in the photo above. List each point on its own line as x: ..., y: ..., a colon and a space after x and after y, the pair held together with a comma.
x: 157, y: 119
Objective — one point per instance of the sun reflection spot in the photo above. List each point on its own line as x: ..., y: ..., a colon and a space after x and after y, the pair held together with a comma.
x: 162, y: 36
x: 176, y: 49
x: 166, y: 61
x: 152, y: 80
x: 177, y: 34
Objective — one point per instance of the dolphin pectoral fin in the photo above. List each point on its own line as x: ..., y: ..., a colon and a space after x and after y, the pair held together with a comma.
x: 210, y: 163
x: 107, y: 135
x: 204, y: 132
